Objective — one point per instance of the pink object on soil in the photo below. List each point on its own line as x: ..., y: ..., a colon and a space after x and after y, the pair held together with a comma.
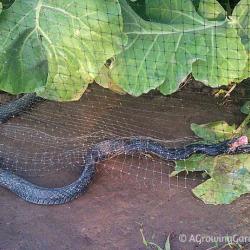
x: 243, y: 140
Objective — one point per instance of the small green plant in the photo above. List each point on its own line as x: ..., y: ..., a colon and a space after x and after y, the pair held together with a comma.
x: 231, y: 245
x: 149, y: 244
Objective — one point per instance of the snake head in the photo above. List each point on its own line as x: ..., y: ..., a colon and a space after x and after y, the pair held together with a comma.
x: 238, y: 142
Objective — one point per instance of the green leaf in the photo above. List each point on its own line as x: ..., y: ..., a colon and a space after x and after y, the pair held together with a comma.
x: 230, y: 177
x: 245, y: 109
x: 218, y: 68
x: 214, y: 132
x: 196, y: 163
x: 212, y: 10
x: 154, y: 53
x: 225, y: 192
x: 64, y: 44
x: 167, y: 244
x: 20, y: 50
x: 164, y: 52
x: 241, y: 20
x: 177, y: 12
x: 226, y: 59
x: 229, y: 174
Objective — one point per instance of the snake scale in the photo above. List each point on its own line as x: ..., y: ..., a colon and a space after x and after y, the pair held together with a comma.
x: 103, y: 151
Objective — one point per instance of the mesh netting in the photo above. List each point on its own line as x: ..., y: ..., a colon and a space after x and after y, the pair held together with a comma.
x: 128, y: 46
x: 160, y: 65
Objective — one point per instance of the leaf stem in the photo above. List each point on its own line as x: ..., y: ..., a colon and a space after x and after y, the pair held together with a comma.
x: 241, y: 129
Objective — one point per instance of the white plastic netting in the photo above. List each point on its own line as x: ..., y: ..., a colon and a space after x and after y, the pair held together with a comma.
x: 53, y: 137
x: 146, y: 55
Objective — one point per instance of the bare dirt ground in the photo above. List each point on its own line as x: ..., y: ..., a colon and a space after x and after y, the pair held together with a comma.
x: 116, y: 205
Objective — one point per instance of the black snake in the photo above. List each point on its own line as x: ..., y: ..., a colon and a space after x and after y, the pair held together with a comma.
x: 103, y: 151
x: 16, y: 107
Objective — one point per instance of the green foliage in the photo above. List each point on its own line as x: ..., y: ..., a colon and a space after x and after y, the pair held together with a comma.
x: 214, y: 132
x: 150, y: 244
x: 153, y: 52
x: 225, y: 186
x: 229, y: 177
x: 179, y: 42
x: 241, y: 20
x: 56, y: 48
x: 229, y: 174
x: 212, y: 10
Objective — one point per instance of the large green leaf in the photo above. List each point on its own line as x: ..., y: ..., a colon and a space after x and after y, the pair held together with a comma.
x: 23, y: 65
x: 226, y: 59
x: 157, y: 52
x: 177, y: 12
x: 223, y: 62
x: 64, y: 44
x: 209, y: 72
x: 163, y: 53
x: 241, y: 19
x: 230, y: 178
x: 169, y: 11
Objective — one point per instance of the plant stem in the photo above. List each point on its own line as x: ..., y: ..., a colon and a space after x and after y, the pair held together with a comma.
x: 241, y: 129
x: 228, y: 8
x: 230, y: 91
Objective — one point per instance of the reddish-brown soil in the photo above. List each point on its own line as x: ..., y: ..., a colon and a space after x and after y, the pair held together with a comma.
x: 110, y: 214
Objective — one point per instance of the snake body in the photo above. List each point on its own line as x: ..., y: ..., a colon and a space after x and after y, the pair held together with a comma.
x: 17, y: 106
x: 103, y: 151
x: 100, y: 152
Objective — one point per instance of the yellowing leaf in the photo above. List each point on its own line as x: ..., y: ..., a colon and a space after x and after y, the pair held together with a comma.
x: 214, y: 132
